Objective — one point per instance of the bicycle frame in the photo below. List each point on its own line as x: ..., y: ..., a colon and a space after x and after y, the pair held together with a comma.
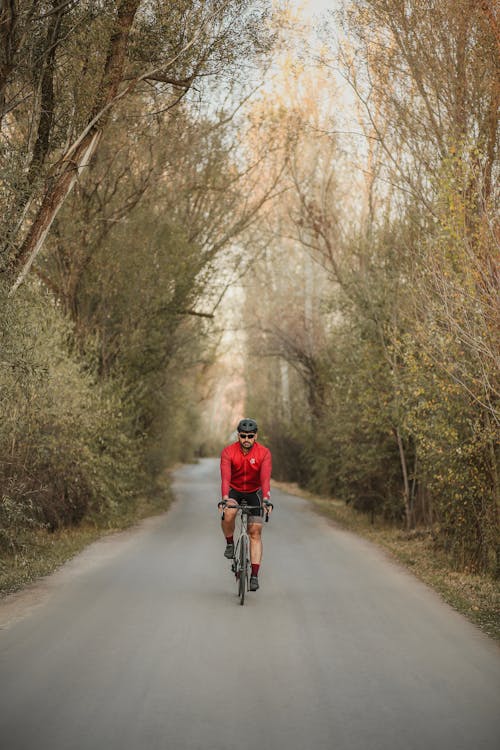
x: 241, y: 561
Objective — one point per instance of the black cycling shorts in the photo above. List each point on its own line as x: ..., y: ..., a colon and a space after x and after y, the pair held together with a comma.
x: 254, y: 500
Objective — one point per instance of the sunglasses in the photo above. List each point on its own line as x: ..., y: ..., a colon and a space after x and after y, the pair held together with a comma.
x: 247, y: 434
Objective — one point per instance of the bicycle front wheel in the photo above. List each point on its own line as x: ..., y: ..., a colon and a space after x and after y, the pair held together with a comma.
x: 243, y: 565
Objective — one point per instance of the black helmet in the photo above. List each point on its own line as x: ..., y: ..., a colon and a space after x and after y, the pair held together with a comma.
x: 247, y: 425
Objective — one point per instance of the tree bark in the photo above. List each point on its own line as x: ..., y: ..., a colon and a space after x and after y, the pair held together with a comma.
x: 8, y: 18
x: 406, y: 483
x: 486, y: 7
x: 42, y: 141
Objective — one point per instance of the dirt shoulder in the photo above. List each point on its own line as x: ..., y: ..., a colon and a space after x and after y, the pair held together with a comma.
x: 477, y: 597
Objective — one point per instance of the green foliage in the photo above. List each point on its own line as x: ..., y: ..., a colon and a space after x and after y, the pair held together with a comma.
x: 348, y: 449
x: 64, y: 438
x: 135, y: 299
x: 18, y: 515
x: 458, y: 457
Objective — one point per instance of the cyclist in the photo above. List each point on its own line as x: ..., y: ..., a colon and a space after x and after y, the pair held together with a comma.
x: 245, y: 468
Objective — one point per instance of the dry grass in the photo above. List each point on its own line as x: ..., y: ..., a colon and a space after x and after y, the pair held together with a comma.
x: 42, y: 553
x: 475, y: 596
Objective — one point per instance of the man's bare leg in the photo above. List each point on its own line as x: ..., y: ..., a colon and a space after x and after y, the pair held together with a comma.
x: 228, y: 522
x: 255, y: 534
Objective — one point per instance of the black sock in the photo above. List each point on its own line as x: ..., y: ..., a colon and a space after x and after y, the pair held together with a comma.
x: 229, y: 540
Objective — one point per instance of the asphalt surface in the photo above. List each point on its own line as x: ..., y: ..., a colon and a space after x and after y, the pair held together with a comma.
x: 140, y: 642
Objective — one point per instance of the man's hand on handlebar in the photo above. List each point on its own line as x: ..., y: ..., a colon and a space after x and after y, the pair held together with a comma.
x: 222, y: 503
x: 225, y: 504
x: 268, y: 508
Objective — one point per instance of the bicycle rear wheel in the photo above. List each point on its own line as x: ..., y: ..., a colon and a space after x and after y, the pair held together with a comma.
x: 243, y: 566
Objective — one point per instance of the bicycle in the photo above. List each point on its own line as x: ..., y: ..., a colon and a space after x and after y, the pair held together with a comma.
x: 240, y: 564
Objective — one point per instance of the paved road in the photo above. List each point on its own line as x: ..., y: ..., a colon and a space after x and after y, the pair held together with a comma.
x: 140, y: 643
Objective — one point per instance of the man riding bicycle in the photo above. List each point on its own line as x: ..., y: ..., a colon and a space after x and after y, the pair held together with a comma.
x: 245, y: 469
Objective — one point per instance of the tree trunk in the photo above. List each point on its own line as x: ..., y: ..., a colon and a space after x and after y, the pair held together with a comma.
x: 8, y: 19
x: 486, y: 7
x: 406, y: 483
x: 42, y: 141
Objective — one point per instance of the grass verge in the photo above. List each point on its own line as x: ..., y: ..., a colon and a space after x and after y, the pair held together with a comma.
x: 475, y: 596
x: 41, y: 552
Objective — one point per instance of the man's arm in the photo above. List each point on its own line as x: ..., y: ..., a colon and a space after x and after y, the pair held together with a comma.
x: 265, y: 475
x: 225, y: 474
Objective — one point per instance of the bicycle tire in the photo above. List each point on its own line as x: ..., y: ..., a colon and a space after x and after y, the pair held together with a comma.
x: 235, y: 566
x: 243, y: 563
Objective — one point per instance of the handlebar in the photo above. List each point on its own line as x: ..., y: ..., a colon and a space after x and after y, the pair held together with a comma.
x: 244, y: 507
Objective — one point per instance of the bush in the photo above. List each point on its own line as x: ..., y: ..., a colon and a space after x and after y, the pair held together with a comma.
x: 65, y: 444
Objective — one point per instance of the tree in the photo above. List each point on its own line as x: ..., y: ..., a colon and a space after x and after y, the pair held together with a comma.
x: 141, y: 51
x: 407, y: 311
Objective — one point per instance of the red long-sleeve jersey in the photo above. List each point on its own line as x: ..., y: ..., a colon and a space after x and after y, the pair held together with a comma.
x: 245, y: 473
